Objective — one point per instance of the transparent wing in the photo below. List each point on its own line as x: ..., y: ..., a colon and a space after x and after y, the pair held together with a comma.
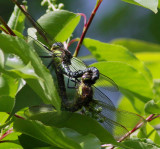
x: 116, y: 121
x: 103, y: 82
x: 77, y: 64
x: 106, y: 83
x: 46, y: 37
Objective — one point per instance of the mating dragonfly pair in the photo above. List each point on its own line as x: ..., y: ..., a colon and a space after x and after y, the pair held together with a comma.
x: 89, y: 84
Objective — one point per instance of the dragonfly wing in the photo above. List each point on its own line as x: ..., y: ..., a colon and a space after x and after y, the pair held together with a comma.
x: 46, y: 37
x: 117, y: 121
x: 113, y: 127
x: 106, y: 83
x: 77, y: 64
x: 100, y: 96
x: 103, y: 82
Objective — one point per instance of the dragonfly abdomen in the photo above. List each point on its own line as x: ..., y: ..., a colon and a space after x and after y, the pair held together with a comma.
x: 76, y: 74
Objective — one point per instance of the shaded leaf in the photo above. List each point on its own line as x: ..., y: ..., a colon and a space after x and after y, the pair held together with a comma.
x: 32, y: 69
x: 73, y: 121
x: 47, y: 134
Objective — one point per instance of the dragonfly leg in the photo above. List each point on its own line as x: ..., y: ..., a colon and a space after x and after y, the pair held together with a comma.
x: 75, y: 81
x: 45, y: 56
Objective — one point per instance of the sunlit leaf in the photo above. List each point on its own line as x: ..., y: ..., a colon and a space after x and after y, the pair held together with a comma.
x: 59, y: 24
x: 152, y: 107
x: 141, y: 144
x: 149, y: 132
x: 16, y: 21
x: 150, y: 4
x: 145, y: 51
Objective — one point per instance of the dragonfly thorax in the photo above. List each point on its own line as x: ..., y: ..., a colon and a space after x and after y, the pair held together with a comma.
x: 57, y: 45
x: 61, y: 52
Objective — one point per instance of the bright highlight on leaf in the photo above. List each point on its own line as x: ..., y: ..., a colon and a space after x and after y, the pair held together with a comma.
x: 150, y: 4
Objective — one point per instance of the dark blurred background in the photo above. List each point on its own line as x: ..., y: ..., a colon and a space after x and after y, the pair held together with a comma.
x: 114, y: 19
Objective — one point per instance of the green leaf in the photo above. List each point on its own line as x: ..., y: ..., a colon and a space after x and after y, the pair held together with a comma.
x: 30, y: 68
x: 86, y: 142
x: 140, y: 144
x: 137, y: 46
x: 7, y: 103
x: 152, y: 107
x: 24, y: 139
x: 26, y: 97
x: 156, y: 90
x: 17, y: 19
x: 73, y: 121
x: 59, y: 24
x: 9, y: 145
x: 110, y: 52
x: 89, y: 141
x: 149, y: 132
x: 150, y: 4
x: 4, y: 117
x: 8, y: 85
x: 10, y: 140
x: 145, y: 51
x: 132, y: 81
x: 123, y: 67
x: 131, y: 104
x: 47, y: 134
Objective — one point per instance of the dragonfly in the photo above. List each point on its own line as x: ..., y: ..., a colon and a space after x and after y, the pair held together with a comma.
x: 58, y: 53
x: 63, y: 60
x: 88, y: 82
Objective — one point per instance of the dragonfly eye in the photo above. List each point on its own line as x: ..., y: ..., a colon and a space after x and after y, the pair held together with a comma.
x: 57, y: 45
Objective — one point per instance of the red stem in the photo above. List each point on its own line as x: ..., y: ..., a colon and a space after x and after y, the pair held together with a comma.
x: 85, y: 18
x: 3, y: 30
x: 148, y: 119
x: 7, y: 133
x: 152, y: 118
x: 18, y: 116
x: 85, y: 29
x: 72, y: 41
x: 135, y: 128
x: 7, y: 27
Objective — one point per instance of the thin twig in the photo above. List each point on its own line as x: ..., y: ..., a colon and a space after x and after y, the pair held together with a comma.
x: 153, y: 118
x: 85, y: 29
x: 72, y: 41
x: 7, y: 27
x: 1, y: 28
x: 6, y: 133
x: 85, y: 18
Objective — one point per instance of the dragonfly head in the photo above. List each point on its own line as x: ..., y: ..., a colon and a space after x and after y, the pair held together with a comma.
x: 57, y: 45
x: 87, y: 78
